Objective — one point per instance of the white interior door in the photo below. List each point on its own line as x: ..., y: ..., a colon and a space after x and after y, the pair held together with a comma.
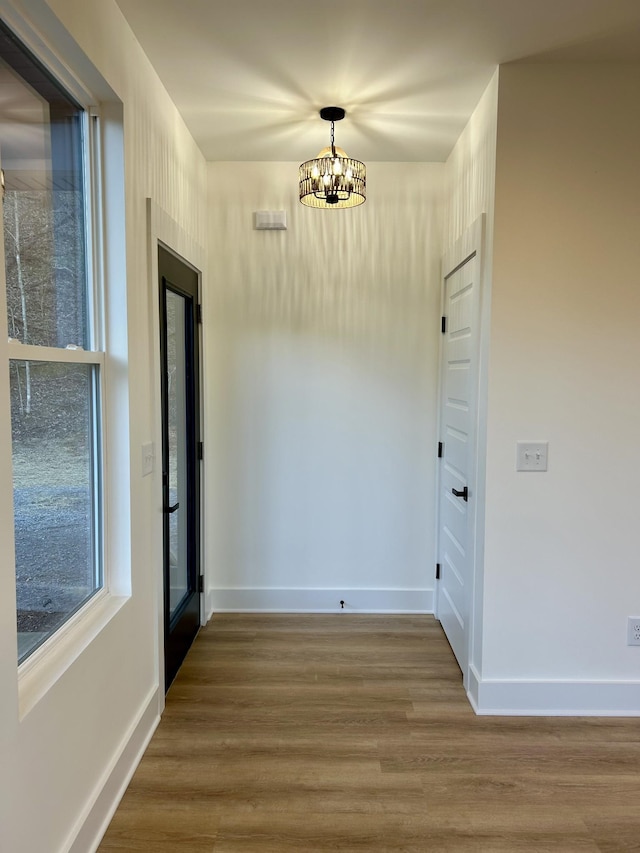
x: 458, y: 418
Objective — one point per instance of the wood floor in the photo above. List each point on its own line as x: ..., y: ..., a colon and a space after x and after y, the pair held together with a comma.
x: 353, y: 733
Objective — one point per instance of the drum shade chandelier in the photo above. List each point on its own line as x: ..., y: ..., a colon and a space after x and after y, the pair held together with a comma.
x: 333, y: 180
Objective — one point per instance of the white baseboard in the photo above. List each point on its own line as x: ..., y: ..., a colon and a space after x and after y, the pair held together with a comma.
x: 553, y: 698
x: 473, y: 685
x: 287, y: 600
x: 103, y: 802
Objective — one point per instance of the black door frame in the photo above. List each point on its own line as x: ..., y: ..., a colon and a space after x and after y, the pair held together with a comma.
x: 178, y: 277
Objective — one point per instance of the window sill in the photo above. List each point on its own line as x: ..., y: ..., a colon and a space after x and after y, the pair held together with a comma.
x: 47, y: 664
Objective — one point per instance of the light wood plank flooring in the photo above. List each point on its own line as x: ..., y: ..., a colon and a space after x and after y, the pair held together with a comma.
x: 353, y: 733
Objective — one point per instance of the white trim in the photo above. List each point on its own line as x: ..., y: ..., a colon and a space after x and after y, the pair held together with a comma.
x: 37, y: 27
x: 519, y: 697
x: 162, y: 229
x: 116, y: 436
x: 17, y: 351
x: 42, y: 669
x: 288, y: 600
x: 91, y: 825
x: 473, y: 685
x: 32, y: 37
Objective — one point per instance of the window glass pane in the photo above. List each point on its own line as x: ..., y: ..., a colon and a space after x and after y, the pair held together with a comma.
x: 55, y: 494
x: 43, y: 210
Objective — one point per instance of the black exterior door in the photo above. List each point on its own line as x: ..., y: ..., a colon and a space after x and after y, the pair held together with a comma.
x: 179, y: 348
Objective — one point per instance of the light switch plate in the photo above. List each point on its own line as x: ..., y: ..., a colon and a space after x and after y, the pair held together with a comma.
x: 532, y: 455
x: 148, y: 458
x: 270, y: 220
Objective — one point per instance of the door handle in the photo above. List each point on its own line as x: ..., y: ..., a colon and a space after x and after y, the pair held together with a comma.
x: 173, y: 508
x: 464, y: 494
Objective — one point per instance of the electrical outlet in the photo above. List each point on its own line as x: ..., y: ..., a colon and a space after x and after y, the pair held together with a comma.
x: 633, y: 631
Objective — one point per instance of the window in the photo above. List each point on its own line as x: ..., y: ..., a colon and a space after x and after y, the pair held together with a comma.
x: 53, y: 351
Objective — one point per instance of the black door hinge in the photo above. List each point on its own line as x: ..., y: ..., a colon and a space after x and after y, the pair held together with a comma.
x: 437, y: 571
x: 443, y: 325
x: 200, y: 583
x: 199, y: 314
x: 440, y: 449
x: 200, y: 450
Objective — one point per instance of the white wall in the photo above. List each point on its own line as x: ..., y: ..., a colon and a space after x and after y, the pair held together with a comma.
x: 55, y: 759
x: 562, y: 570
x: 323, y: 349
x: 471, y: 172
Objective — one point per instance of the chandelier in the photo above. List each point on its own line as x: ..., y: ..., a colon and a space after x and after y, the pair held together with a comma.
x: 332, y: 180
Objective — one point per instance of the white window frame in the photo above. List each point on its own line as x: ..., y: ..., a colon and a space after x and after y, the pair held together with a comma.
x: 104, y: 245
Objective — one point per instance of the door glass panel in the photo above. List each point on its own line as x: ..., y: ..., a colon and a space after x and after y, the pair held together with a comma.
x: 177, y: 425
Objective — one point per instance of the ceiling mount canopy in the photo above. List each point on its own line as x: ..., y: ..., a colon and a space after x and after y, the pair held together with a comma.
x: 332, y: 114
x: 332, y: 180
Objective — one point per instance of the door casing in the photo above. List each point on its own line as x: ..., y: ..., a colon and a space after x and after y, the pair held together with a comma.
x: 178, y: 278
x: 163, y: 230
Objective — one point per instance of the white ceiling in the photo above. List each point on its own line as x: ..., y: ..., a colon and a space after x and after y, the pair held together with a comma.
x: 249, y: 76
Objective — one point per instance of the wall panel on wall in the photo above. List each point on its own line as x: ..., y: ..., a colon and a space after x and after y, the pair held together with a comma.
x: 324, y: 350
x: 561, y: 557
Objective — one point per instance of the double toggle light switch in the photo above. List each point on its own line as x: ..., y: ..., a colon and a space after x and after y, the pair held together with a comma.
x: 532, y: 455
